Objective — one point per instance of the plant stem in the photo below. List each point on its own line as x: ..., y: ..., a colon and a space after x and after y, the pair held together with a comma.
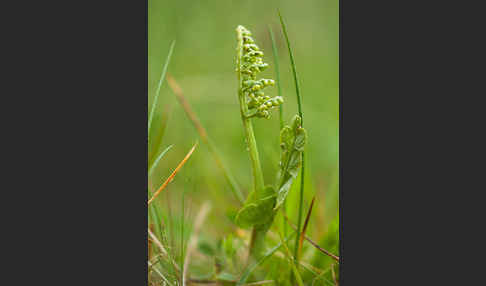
x: 257, y: 243
x: 248, y: 126
x: 258, y: 234
x: 251, y: 142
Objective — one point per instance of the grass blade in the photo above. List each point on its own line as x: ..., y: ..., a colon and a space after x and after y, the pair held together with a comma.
x: 250, y: 268
x: 299, y: 102
x: 204, y: 137
x: 292, y: 264
x: 321, y: 277
x: 294, y: 71
x: 157, y: 92
x: 155, y: 217
x: 157, y: 242
x: 160, y: 274
x: 171, y: 177
x: 312, y: 242
x: 151, y: 169
x: 302, y: 234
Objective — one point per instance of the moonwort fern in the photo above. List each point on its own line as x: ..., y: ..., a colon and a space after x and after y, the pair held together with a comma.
x: 263, y: 201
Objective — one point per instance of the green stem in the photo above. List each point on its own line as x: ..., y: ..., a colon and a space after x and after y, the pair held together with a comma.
x: 247, y: 124
x: 258, y: 182
x: 257, y: 243
x: 258, y: 234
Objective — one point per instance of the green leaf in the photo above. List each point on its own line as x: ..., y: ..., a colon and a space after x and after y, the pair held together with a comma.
x: 286, y: 138
x: 294, y: 163
x: 300, y: 139
x: 257, y: 211
x: 292, y: 142
x: 296, y: 122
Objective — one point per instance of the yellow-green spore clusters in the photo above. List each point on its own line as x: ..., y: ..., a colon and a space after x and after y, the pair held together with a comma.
x: 250, y: 63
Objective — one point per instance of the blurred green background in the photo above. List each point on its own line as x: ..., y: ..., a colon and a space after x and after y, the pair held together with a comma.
x: 203, y: 63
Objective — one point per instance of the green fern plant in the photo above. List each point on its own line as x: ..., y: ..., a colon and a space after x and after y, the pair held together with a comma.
x: 263, y: 202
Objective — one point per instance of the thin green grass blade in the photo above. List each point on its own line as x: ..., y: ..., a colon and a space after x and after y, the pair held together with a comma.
x: 157, y: 92
x: 156, y: 162
x: 299, y: 102
x: 250, y: 268
x: 294, y: 71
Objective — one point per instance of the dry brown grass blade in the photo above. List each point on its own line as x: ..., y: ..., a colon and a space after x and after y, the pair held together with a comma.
x: 165, y: 254
x: 302, y: 234
x: 151, y: 229
x: 157, y: 242
x: 204, y: 136
x: 187, y: 108
x: 150, y: 264
x: 171, y: 177
x: 191, y: 245
x: 312, y: 242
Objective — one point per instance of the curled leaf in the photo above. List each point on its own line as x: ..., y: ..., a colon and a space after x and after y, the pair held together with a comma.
x: 292, y: 142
